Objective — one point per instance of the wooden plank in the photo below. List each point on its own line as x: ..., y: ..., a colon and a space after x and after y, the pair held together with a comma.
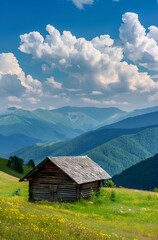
x: 52, y: 184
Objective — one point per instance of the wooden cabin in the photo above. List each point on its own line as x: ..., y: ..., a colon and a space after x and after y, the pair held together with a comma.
x: 65, y: 179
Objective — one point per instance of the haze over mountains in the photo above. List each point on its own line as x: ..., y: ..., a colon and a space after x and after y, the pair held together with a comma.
x: 144, y: 120
x: 114, y: 147
x: 51, y: 125
x: 66, y: 131
x: 114, y: 155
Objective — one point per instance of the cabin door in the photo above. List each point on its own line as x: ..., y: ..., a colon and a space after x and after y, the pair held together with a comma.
x: 53, y: 193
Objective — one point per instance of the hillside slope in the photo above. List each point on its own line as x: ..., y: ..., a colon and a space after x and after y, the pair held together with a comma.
x: 123, y: 152
x: 7, y: 170
x: 102, y: 116
x: 77, y: 146
x: 138, y: 112
x: 99, y: 218
x: 65, y: 122
x: 105, y: 145
x: 20, y: 128
x: 144, y: 120
x: 143, y: 175
x: 29, y: 125
x: 115, y: 155
x: 6, y: 178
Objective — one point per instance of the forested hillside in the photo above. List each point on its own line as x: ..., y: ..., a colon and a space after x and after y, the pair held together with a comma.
x: 143, y: 175
x: 115, y: 155
x: 121, y: 153
x: 77, y: 146
x: 11, y: 171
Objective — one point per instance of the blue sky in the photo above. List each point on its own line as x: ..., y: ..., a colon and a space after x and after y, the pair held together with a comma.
x: 97, y: 53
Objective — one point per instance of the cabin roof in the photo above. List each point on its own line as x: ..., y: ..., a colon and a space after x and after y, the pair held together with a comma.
x: 81, y: 169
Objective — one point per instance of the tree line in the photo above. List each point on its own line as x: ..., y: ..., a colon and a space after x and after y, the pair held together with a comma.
x: 17, y: 164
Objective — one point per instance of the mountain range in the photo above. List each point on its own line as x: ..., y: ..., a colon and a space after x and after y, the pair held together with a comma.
x: 57, y: 132
x: 114, y: 155
x: 143, y: 175
x: 124, y: 151
x: 114, y: 149
x: 50, y: 125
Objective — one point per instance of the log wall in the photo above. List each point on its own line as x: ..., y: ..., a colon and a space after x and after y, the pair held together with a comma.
x: 52, y: 184
x: 87, y: 189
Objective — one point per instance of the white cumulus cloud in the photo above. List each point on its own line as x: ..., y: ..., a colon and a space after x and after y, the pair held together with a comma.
x: 14, y: 99
x: 52, y: 83
x: 80, y: 3
x: 140, y: 45
x: 9, y: 65
x: 33, y: 100
x: 96, y: 65
x: 13, y: 81
x: 103, y: 102
x: 10, y: 85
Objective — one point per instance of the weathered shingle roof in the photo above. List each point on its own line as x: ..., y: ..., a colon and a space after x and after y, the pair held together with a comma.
x: 81, y: 169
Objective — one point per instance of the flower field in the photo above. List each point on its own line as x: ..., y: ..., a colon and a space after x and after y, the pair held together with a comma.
x: 114, y: 214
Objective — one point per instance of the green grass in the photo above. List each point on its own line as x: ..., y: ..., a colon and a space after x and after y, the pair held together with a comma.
x: 4, y: 168
x: 9, y: 184
x: 114, y: 214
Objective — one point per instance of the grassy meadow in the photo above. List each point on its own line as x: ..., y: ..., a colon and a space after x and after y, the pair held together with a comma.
x: 114, y: 214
